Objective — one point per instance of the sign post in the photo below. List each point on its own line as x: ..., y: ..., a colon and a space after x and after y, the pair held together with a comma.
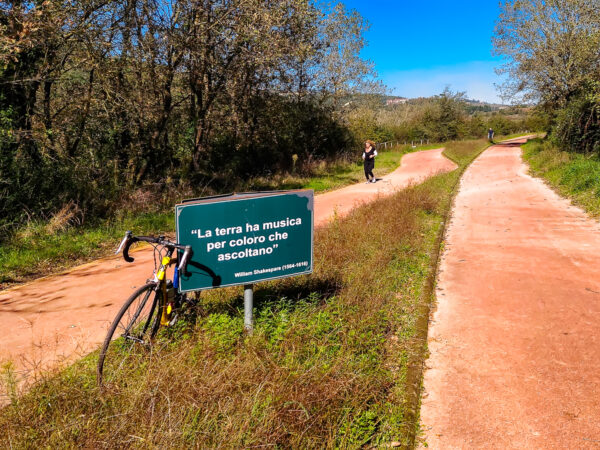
x: 242, y: 239
x: 248, y: 305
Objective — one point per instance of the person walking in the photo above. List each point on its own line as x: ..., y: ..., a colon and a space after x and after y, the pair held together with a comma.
x: 490, y: 135
x: 369, y: 161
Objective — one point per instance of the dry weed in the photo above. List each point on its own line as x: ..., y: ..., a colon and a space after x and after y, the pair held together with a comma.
x: 69, y: 215
x: 318, y: 371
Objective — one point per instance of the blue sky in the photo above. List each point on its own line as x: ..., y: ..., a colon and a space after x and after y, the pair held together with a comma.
x: 419, y: 47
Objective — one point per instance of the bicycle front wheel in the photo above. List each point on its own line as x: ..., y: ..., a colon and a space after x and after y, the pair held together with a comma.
x: 130, y: 335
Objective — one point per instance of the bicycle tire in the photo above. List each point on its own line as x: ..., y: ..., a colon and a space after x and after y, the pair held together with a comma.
x: 142, y: 309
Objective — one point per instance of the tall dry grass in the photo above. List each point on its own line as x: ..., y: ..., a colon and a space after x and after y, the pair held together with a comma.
x: 326, y: 366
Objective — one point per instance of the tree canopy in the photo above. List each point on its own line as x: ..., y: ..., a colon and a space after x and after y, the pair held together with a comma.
x: 552, y: 58
x: 552, y: 47
x: 102, y: 96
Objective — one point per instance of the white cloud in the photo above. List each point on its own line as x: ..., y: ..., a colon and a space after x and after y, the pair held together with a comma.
x: 475, y: 78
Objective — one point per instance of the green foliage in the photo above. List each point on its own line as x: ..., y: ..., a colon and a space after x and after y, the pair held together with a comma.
x: 223, y: 331
x: 558, y: 68
x: 577, y: 125
x: 552, y: 65
x: 39, y: 248
x: 477, y: 127
x: 99, y: 100
x: 444, y: 117
x: 358, y: 432
x: 43, y: 247
x: 539, y: 120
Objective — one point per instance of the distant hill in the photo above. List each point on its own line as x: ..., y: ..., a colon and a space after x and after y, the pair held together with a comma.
x: 478, y: 105
x: 472, y: 106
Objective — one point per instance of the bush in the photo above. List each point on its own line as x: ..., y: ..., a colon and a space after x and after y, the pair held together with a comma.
x: 577, y: 125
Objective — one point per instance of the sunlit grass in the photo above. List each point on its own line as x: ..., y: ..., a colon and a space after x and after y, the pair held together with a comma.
x: 326, y: 367
x: 573, y: 175
x: 33, y: 251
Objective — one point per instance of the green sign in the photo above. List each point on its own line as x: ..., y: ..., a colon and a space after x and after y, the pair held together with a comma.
x: 246, y: 238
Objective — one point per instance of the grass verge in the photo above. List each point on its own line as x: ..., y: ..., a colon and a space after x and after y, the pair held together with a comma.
x: 334, y: 360
x: 514, y: 136
x: 43, y: 248
x: 573, y: 175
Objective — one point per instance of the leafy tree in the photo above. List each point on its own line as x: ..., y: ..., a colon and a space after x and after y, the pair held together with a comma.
x: 578, y: 123
x: 444, y: 118
x: 98, y: 98
x: 551, y: 47
x: 552, y: 57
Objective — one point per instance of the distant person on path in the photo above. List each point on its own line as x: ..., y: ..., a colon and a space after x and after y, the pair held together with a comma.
x: 490, y: 135
x: 369, y: 161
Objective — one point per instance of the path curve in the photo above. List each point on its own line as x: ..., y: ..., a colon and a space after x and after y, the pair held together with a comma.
x: 515, y: 339
x: 415, y: 168
x: 58, y: 318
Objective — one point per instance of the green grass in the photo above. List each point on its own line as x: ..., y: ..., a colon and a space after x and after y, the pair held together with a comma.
x: 38, y: 249
x: 514, y: 136
x: 331, y: 363
x: 573, y: 175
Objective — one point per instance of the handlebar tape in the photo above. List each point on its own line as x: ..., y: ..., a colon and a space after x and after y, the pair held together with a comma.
x: 126, y: 256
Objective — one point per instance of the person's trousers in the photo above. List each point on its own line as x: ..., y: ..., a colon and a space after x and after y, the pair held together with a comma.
x: 369, y: 166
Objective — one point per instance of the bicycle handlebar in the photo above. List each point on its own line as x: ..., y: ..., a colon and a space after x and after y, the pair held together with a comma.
x: 123, y: 242
x: 129, y: 239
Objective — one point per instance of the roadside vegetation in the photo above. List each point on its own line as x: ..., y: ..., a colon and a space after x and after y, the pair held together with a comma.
x: 110, y: 112
x: 48, y: 246
x: 335, y: 359
x: 573, y: 175
x: 557, y: 70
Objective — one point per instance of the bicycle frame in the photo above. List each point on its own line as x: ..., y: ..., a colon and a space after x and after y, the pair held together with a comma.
x: 166, y: 304
x: 160, y: 277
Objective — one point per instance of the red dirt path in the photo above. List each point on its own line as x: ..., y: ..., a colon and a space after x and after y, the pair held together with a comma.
x: 515, y: 340
x: 59, y: 318
x: 415, y: 168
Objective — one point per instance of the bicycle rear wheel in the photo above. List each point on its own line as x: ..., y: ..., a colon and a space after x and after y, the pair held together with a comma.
x: 130, y: 335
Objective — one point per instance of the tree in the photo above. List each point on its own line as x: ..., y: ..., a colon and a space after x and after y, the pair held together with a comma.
x: 443, y: 118
x: 102, y: 97
x: 551, y: 48
x: 552, y: 57
x: 340, y: 69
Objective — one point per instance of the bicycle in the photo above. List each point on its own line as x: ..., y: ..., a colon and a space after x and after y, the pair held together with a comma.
x: 156, y: 304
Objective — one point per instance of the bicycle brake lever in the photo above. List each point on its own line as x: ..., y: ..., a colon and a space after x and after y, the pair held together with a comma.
x: 122, y: 244
x: 184, y: 259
